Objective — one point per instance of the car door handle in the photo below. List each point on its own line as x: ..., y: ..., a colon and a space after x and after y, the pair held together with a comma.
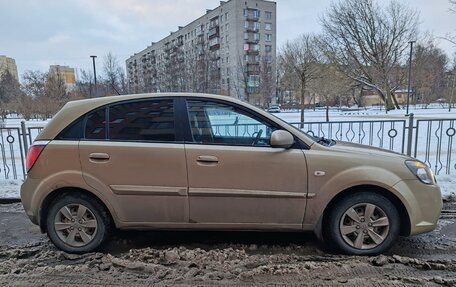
x: 99, y: 156
x: 207, y: 159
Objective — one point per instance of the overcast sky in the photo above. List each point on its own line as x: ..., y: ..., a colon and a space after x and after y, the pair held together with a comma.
x: 38, y: 33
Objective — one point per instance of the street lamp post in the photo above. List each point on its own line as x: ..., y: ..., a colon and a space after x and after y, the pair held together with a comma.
x: 452, y: 92
x: 409, y: 75
x: 94, y: 75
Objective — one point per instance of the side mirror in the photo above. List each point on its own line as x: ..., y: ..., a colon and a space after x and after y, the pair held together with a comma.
x: 281, y: 139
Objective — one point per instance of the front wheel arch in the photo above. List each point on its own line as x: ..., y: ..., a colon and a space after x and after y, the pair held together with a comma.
x: 405, y: 225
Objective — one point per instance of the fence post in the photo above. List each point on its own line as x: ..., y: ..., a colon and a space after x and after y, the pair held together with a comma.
x: 410, y: 135
x: 24, y: 136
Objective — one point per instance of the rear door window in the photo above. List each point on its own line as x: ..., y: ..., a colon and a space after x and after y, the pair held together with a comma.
x: 149, y: 120
x: 96, y: 125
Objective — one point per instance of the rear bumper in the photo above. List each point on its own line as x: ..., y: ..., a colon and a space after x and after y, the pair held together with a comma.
x: 423, y: 203
x: 27, y: 192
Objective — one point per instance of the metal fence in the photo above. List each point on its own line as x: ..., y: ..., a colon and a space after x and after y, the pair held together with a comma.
x: 429, y: 140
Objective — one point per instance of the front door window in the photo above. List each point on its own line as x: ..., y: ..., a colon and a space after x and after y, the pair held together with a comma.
x: 217, y: 123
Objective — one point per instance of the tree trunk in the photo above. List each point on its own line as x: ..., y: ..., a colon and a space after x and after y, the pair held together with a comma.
x: 393, y: 96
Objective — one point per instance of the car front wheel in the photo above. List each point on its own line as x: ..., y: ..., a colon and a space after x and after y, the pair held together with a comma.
x: 364, y: 223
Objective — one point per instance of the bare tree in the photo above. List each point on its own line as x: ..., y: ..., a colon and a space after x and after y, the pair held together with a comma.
x: 34, y: 83
x: 429, y: 66
x: 367, y: 41
x: 240, y: 83
x: 9, y: 91
x: 267, y: 81
x: 56, y: 94
x: 84, y: 84
x: 46, y: 93
x: 300, y: 59
x: 114, y: 76
x: 331, y: 86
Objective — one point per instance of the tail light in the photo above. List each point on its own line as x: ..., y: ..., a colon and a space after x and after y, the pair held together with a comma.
x: 33, y: 154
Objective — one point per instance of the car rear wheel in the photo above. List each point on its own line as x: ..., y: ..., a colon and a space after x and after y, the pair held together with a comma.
x: 365, y: 223
x: 77, y: 223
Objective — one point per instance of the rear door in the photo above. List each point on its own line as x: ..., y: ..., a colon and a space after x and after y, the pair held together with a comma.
x: 236, y: 179
x: 132, y: 152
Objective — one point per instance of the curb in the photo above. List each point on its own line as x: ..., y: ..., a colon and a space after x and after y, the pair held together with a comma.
x: 9, y: 200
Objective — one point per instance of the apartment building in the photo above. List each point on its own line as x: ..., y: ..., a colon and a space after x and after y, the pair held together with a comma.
x: 8, y: 64
x: 230, y: 50
x: 65, y: 73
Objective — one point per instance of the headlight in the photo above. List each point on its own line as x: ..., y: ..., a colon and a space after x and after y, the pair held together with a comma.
x: 421, y: 171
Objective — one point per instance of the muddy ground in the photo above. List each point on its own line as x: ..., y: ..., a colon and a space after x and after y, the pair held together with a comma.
x: 27, y: 258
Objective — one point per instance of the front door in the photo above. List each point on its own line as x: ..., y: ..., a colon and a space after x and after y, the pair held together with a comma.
x: 132, y: 154
x: 235, y: 177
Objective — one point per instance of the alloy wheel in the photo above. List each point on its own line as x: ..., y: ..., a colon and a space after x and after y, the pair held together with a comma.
x: 76, y: 225
x: 364, y: 226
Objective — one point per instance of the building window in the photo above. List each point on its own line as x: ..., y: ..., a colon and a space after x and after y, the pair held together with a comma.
x: 246, y: 12
x: 256, y: 36
x: 246, y: 24
x: 226, y: 16
x: 226, y: 26
x: 256, y: 13
x: 268, y: 15
x: 268, y: 37
x: 246, y: 36
x: 268, y: 48
x: 268, y: 26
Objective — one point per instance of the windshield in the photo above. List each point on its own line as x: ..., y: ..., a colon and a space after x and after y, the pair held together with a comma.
x: 312, y: 138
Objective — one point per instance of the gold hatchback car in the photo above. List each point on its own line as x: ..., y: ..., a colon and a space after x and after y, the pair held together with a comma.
x: 196, y: 161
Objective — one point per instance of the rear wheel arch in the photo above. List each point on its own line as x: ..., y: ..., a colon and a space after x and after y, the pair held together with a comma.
x: 44, y: 208
x: 405, y: 225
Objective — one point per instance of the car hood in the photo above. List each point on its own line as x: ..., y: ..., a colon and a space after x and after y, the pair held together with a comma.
x: 366, y: 150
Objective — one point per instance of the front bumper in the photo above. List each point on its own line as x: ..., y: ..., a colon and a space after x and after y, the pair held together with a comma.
x: 423, y: 203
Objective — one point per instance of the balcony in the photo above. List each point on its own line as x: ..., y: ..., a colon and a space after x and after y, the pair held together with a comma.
x: 213, y: 32
x: 253, y: 69
x: 252, y: 40
x: 252, y: 29
x: 253, y: 52
x: 214, y: 44
x: 253, y: 17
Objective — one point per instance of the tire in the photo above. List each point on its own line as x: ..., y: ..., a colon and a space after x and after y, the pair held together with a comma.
x: 77, y: 223
x: 353, y: 233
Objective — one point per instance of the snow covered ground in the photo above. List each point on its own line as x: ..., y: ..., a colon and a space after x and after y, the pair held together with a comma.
x: 10, y: 188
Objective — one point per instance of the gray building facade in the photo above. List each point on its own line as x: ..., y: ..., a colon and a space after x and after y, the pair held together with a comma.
x: 231, y: 50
